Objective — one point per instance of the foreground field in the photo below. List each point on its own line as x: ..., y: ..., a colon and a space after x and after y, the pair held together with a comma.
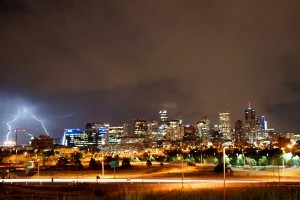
x: 134, y: 192
x: 274, y: 189
x: 174, y: 170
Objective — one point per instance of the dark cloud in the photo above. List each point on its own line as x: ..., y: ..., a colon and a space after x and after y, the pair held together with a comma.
x: 119, y: 60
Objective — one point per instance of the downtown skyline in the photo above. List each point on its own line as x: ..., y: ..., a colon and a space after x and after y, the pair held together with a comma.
x: 28, y: 124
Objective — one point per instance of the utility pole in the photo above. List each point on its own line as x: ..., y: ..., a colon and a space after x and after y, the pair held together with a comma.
x: 18, y: 130
x: 224, y: 172
x: 16, y: 145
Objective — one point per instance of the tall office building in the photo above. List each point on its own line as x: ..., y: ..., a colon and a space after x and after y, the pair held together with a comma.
x: 250, y: 124
x: 189, y: 130
x: 114, y: 134
x: 103, y: 132
x: 225, y: 127
x: 203, y: 127
x: 127, y: 129
x: 163, y: 116
x: 261, y: 127
x: 239, y: 131
x: 153, y: 128
x: 163, y: 121
x: 76, y: 138
x: 173, y: 130
x: 141, y: 127
x: 93, y: 134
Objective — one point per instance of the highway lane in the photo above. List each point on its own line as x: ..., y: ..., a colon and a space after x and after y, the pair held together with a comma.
x: 134, y: 180
x: 115, y: 187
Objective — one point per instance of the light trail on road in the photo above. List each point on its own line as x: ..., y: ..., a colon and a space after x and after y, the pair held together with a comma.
x: 128, y: 180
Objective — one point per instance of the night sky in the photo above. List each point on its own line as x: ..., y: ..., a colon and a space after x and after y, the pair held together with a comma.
x: 74, y: 61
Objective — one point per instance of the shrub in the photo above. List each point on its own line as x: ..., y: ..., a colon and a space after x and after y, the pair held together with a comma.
x: 126, y: 163
x: 211, y: 160
x: 93, y: 164
x: 252, y: 162
x: 220, y: 168
x: 149, y: 163
x: 191, y: 164
x: 263, y: 161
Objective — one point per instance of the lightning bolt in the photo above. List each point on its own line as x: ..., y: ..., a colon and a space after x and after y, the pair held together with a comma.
x: 39, y: 120
x: 16, y: 117
x: 64, y: 116
x: 9, y: 126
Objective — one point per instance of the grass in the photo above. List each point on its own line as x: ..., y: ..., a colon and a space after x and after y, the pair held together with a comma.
x: 259, y: 193
x: 8, y: 192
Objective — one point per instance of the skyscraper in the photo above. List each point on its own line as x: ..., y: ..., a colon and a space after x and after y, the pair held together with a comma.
x: 163, y: 116
x: 189, y: 130
x: 203, y: 127
x: 163, y: 121
x: 239, y: 131
x: 250, y: 125
x: 173, y: 130
x: 127, y: 129
x: 261, y: 127
x: 141, y: 127
x: 225, y: 124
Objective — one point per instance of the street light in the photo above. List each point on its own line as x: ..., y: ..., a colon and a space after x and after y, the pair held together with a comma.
x: 283, y: 167
x: 102, y: 165
x: 224, y: 171
x: 182, y: 175
x: 38, y: 168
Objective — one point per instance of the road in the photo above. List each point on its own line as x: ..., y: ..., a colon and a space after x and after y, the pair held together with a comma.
x: 139, y: 181
x: 115, y: 187
x: 169, y: 174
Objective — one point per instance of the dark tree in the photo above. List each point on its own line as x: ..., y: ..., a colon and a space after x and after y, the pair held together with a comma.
x: 220, y: 168
x: 126, y: 163
x: 62, y: 161
x: 149, y: 163
x: 93, y: 164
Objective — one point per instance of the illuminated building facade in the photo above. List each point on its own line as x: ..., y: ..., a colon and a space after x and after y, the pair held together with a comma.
x: 153, y: 128
x: 189, y: 130
x: 96, y: 133
x: 127, y: 129
x: 190, y: 135
x: 141, y: 127
x: 173, y: 131
x: 75, y: 138
x: 163, y: 116
x: 114, y: 134
x: 163, y: 121
x: 93, y: 136
x: 250, y: 124
x: 203, y: 127
x: 103, y: 133
x: 225, y: 127
x: 261, y: 128
x: 239, y: 131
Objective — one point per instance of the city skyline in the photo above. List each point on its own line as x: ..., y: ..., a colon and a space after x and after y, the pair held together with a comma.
x: 223, y: 125
x: 70, y: 62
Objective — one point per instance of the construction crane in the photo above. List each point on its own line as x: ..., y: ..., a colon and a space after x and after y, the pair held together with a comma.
x: 27, y: 132
x: 24, y: 131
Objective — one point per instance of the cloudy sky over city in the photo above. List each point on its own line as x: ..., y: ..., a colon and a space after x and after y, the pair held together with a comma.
x: 74, y: 61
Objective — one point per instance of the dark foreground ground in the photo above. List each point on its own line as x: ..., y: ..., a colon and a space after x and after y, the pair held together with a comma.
x: 82, y: 191
x: 162, y: 191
